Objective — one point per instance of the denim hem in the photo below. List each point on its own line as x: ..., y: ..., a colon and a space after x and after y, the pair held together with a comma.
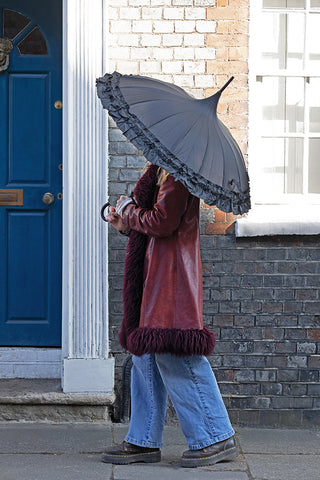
x: 206, y: 443
x: 143, y: 443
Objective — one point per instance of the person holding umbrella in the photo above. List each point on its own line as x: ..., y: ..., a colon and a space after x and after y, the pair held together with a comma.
x: 169, y: 345
x: 162, y: 325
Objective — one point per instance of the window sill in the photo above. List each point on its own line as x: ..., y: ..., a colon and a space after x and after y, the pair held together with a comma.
x: 279, y: 220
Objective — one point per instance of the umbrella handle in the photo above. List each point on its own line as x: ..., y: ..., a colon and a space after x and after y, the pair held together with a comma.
x: 106, y: 205
x: 226, y: 84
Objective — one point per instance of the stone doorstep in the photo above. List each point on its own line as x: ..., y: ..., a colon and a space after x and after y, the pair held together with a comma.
x: 43, y: 400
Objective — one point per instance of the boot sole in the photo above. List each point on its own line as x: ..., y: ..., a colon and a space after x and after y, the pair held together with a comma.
x: 152, y: 457
x: 204, y: 461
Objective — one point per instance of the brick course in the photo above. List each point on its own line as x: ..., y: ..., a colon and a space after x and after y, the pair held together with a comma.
x: 261, y: 295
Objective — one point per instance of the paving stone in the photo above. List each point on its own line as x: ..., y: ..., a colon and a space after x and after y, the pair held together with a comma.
x: 54, y: 467
x: 20, y: 438
x: 275, y: 440
x: 156, y: 472
x: 283, y: 467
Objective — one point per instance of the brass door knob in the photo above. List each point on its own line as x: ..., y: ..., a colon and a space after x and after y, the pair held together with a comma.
x: 48, y: 198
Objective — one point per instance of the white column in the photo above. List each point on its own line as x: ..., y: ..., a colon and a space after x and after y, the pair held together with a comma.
x: 86, y: 366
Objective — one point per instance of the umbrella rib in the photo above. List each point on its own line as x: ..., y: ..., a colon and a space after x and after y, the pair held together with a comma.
x: 230, y: 143
x: 233, y: 147
x: 164, y: 119
x: 221, y: 147
x: 191, y: 127
x: 206, y: 147
x: 140, y: 102
x: 148, y: 100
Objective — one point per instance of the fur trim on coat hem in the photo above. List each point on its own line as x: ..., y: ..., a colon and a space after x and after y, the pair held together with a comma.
x: 180, y: 342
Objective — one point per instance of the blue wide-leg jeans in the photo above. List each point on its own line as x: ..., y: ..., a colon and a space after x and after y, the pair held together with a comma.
x: 193, y: 390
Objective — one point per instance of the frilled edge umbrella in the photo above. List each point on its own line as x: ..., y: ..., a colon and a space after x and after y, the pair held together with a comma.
x: 181, y: 134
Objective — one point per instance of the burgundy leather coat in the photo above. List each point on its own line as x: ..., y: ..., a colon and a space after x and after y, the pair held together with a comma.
x: 171, y: 307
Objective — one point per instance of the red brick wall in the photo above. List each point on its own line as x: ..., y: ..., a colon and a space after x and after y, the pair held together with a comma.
x: 231, y: 41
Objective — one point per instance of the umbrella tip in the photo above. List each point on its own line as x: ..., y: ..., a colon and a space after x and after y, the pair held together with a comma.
x: 226, y: 84
x: 216, y: 96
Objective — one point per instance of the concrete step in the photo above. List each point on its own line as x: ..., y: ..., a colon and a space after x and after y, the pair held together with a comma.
x: 42, y: 400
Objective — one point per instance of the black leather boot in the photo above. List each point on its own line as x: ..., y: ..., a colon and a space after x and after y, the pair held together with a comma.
x: 129, y: 453
x: 217, y: 452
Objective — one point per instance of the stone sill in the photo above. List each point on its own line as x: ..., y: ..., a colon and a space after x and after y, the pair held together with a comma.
x: 267, y: 220
x: 46, y: 392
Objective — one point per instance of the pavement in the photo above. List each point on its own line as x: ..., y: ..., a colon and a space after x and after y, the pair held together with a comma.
x: 43, y: 451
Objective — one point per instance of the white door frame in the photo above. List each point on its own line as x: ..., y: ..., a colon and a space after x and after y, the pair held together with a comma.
x: 83, y: 362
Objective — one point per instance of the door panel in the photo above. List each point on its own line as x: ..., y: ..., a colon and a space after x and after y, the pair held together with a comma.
x: 30, y: 162
x: 28, y: 123
x: 31, y: 262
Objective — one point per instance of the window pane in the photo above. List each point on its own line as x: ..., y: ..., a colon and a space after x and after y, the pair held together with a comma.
x: 313, y: 41
x: 13, y: 23
x: 283, y: 105
x: 314, y: 165
x: 314, y: 112
x: 294, y: 122
x: 273, y: 41
x: 272, y: 167
x: 281, y: 166
x: 294, y: 165
x: 315, y: 3
x: 284, y: 3
x: 273, y: 109
x: 33, y: 44
x: 295, y: 40
x: 282, y: 40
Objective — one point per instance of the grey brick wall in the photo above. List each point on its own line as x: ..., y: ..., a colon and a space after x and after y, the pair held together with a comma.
x: 261, y: 299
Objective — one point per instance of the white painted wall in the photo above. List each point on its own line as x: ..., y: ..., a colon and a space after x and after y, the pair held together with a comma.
x: 26, y: 362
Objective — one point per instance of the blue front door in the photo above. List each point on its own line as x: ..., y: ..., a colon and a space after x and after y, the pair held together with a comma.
x: 30, y: 172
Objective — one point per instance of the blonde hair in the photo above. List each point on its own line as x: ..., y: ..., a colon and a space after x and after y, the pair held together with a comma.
x: 162, y: 174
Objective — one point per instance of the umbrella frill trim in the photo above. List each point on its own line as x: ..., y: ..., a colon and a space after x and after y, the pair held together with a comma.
x: 140, y: 136
x: 180, y: 342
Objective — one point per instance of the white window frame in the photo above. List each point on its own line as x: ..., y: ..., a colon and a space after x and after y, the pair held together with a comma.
x: 286, y: 213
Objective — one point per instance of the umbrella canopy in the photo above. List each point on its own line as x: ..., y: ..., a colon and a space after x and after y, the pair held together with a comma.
x: 181, y: 134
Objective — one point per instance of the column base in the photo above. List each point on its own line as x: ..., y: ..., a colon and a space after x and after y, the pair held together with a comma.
x: 88, y: 375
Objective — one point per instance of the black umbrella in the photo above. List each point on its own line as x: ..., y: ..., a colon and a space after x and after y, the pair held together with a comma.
x: 181, y: 134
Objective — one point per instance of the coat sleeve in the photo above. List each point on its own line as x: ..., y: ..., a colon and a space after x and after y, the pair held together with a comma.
x: 166, y: 214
